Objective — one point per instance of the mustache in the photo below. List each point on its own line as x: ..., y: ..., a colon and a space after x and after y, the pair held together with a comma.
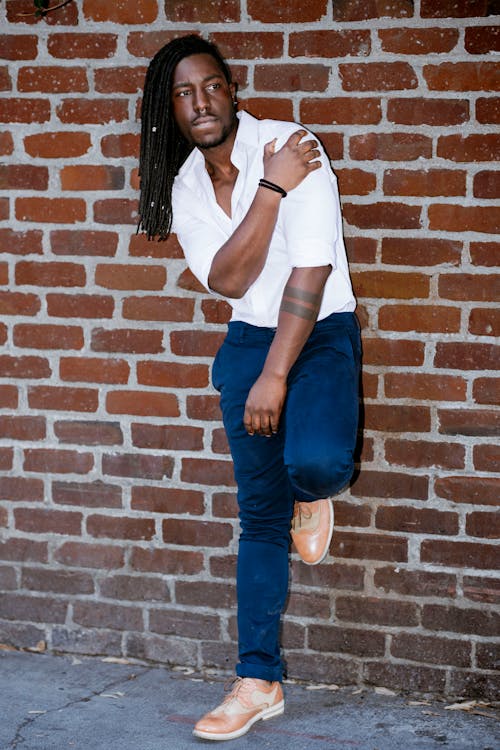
x: 205, y: 116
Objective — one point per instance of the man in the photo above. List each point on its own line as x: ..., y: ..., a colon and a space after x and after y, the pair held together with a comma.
x: 255, y: 208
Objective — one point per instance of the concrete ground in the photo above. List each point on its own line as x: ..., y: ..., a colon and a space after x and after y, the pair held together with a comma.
x: 50, y: 702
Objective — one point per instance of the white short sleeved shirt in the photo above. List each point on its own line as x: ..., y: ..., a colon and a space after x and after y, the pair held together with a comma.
x: 308, y: 230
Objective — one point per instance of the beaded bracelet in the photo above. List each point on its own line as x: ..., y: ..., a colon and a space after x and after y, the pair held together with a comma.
x: 272, y: 186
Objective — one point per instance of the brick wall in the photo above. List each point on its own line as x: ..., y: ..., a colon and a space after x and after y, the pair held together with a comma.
x: 117, y: 506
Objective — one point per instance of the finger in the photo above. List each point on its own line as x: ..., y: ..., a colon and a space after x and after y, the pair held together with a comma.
x: 270, y: 147
x: 309, y: 145
x: 313, y: 154
x: 265, y: 426
x: 274, y: 423
x: 296, y: 137
x: 247, y: 422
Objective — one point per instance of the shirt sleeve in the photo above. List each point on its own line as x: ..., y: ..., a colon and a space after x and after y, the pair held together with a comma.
x: 312, y: 221
x: 200, y: 240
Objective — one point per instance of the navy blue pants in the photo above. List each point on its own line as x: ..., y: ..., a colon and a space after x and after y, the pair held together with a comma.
x: 311, y: 457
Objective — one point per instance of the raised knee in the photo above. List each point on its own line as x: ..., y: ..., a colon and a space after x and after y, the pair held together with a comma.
x: 322, y: 477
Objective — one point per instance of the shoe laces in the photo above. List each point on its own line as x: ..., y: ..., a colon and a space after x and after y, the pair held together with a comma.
x: 238, y: 689
x: 300, y: 510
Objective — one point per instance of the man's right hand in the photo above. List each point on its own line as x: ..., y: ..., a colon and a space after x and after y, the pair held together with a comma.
x: 293, y: 162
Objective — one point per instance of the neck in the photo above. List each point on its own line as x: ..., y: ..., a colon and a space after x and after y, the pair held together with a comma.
x: 218, y: 159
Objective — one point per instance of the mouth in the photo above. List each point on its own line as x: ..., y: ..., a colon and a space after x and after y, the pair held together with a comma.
x: 205, y: 120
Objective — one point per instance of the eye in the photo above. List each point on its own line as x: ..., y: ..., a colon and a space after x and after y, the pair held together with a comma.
x: 183, y: 92
x: 213, y: 86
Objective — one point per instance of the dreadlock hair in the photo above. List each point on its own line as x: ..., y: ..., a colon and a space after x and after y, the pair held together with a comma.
x: 163, y: 148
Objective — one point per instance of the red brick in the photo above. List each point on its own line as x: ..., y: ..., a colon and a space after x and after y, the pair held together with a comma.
x: 140, y: 246
x: 462, y: 76
x: 210, y: 11
x: 87, y: 494
x: 268, y: 107
x: 51, y: 79
x: 403, y: 41
x: 172, y: 375
x: 486, y: 457
x: 224, y: 505
x: 33, y: 609
x: 137, y: 465
x: 423, y: 318
x: 293, y: 11
x: 57, y: 461
x: 21, y: 11
x: 5, y: 79
x: 485, y: 321
x: 341, y: 111
x: 23, y: 177
x: 197, y: 533
x: 190, y: 624
x: 92, y: 111
x: 460, y: 554
x: 134, y: 341
x: 167, y: 437
x: 167, y: 500
x: 43, y: 520
x: 376, y: 611
x: 219, y: 441
x: 329, y: 43
x: 98, y: 556
x: 216, y: 310
x: 488, y: 109
x: 36, y: 273
x: 122, y: 11
x: 405, y: 677
x: 208, y: 472
x: 83, y: 242
x: 415, y: 582
x: 359, y: 10
x: 53, y: 210
x: 22, y: 428
x: 59, y: 581
x: 63, y: 399
x: 390, y: 284
x: 487, y: 655
x: 487, y: 184
x: 196, y: 343
x: 431, y: 650
x: 100, y: 615
x: 144, y: 403
x: 475, y: 147
x: 24, y: 110
x: 204, y: 594
x: 92, y: 177
x: 122, y: 276
x: 377, y: 351
x: 483, y: 524
x: 116, y: 211
x: 89, y: 433
x: 390, y: 146
x: 474, y: 490
x: 453, y: 8
x: 425, y: 386
x: 136, y: 588
x: 55, y: 145
x: 203, y: 407
x: 120, y: 79
x: 120, y: 145
x: 397, y: 418
x: 336, y: 576
x: 348, y: 514
x: 421, y: 111
x: 4, y: 214
x: 94, y: 370
x: 482, y: 39
x: 468, y: 422
x: 158, y: 308
x: 80, y: 306
x: 390, y: 485
x: 23, y: 367
x: 45, y: 336
x: 416, y: 520
x: 482, y: 589
x: 6, y: 143
x: 6, y: 459
x: 385, y: 76
x: 22, y: 549
x: 421, y: 252
x: 447, y: 217
x: 369, y: 546
x: 464, y: 356
x: 15, y: 303
x: 253, y: 45
x: 424, y: 182
x: 361, y: 249
x: 166, y: 561
x: 148, y: 43
x: 76, y: 46
x: 112, y: 527
x: 356, y: 181
x: 486, y: 390
x: 18, y: 46
x: 423, y: 454
x: 291, y: 77
x: 383, y: 215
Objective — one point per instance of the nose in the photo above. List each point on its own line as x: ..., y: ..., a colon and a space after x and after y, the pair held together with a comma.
x: 200, y: 102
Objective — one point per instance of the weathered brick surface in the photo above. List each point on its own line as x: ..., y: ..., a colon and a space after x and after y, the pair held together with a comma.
x: 115, y: 477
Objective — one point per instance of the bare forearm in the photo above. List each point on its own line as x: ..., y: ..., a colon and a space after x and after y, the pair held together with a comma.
x: 241, y: 259
x: 298, y: 313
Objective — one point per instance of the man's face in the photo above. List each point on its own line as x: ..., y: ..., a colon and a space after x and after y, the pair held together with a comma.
x: 202, y: 101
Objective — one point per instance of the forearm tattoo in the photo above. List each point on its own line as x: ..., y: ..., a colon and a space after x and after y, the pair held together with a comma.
x: 300, y: 302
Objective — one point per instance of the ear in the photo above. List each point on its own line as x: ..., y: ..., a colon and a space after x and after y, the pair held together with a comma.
x: 233, y: 88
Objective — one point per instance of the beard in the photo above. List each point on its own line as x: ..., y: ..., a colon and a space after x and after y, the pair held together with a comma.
x: 217, y: 140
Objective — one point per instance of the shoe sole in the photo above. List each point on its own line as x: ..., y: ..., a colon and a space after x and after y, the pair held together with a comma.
x: 330, y: 534
x: 267, y: 713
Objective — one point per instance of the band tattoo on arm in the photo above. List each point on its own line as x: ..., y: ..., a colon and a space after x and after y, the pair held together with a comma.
x: 300, y: 302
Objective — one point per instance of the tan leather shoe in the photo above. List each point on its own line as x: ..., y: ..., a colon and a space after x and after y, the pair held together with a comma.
x: 249, y: 700
x: 312, y: 527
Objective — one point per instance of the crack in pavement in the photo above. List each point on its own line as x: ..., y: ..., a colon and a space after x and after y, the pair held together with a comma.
x: 19, y: 739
